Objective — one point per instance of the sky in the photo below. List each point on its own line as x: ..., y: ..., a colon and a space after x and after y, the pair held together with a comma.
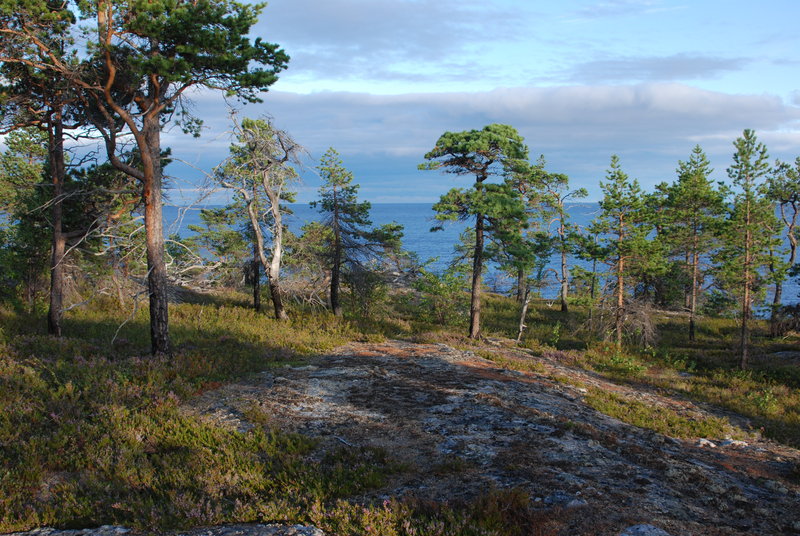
x: 381, y: 80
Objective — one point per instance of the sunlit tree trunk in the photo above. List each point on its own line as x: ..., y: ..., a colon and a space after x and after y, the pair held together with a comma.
x: 693, y: 297
x: 564, y: 282
x: 745, y: 331
x: 477, y: 268
x: 523, y: 312
x: 57, y: 171
x: 256, y: 279
x: 154, y: 236
x: 277, y: 254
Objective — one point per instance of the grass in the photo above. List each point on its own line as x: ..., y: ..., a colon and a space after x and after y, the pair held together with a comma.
x: 660, y: 419
x: 92, y: 431
x: 705, y: 370
x: 96, y: 436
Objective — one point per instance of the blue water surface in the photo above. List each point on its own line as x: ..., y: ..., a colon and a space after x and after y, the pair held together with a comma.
x: 417, y: 220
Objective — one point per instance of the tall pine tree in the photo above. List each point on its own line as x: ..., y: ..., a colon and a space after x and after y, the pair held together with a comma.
x: 695, y: 211
x: 749, y: 233
x: 495, y: 150
x: 344, y: 214
x: 622, y: 227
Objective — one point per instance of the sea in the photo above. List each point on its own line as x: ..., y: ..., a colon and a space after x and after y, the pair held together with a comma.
x: 435, y: 248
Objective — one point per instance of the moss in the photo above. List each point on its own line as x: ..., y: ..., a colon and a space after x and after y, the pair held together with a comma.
x: 658, y: 418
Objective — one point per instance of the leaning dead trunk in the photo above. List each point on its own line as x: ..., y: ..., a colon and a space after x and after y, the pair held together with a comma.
x: 523, y: 313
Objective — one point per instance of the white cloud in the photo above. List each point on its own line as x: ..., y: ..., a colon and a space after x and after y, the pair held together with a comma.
x: 659, y: 68
x: 387, y: 39
x: 384, y: 137
x: 616, y: 8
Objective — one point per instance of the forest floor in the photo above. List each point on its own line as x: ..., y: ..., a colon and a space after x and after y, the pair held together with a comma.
x: 413, y: 431
x: 460, y: 425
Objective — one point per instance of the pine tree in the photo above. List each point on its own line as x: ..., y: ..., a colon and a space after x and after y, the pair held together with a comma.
x: 35, y: 42
x: 261, y: 169
x: 347, y: 218
x: 134, y: 77
x: 749, y: 232
x: 555, y: 196
x: 219, y: 239
x: 784, y: 190
x: 695, y: 210
x: 623, y: 227
x: 24, y: 231
x: 495, y: 150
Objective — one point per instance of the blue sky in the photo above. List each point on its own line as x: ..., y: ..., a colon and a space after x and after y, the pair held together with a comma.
x: 380, y: 80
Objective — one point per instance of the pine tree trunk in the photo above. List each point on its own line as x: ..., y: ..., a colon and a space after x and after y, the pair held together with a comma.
x: 477, y: 269
x: 55, y: 312
x: 521, y: 286
x: 277, y: 254
x: 775, y: 315
x: 274, y: 274
x: 687, y: 296
x: 564, y: 282
x: 154, y: 239
x: 618, y: 317
x: 277, y: 301
x: 693, y: 296
x: 256, y: 279
x: 523, y: 312
x: 745, y: 333
x: 335, y: 274
x: 57, y: 170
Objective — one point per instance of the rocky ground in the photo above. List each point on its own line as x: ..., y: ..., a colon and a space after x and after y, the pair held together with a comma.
x: 462, y: 425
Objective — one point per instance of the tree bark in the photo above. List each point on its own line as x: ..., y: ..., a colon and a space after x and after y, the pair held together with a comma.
x: 57, y: 171
x: 523, y: 313
x: 477, y: 268
x: 277, y: 254
x: 693, y: 296
x: 335, y: 279
x: 154, y: 236
x: 521, y: 286
x: 775, y: 315
x: 790, y: 234
x: 687, y: 296
x: 564, y: 281
x: 618, y: 317
x: 745, y: 331
x: 256, y: 279
x: 335, y: 272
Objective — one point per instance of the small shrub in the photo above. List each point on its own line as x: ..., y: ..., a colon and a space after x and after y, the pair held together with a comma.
x: 442, y: 297
x: 615, y: 362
